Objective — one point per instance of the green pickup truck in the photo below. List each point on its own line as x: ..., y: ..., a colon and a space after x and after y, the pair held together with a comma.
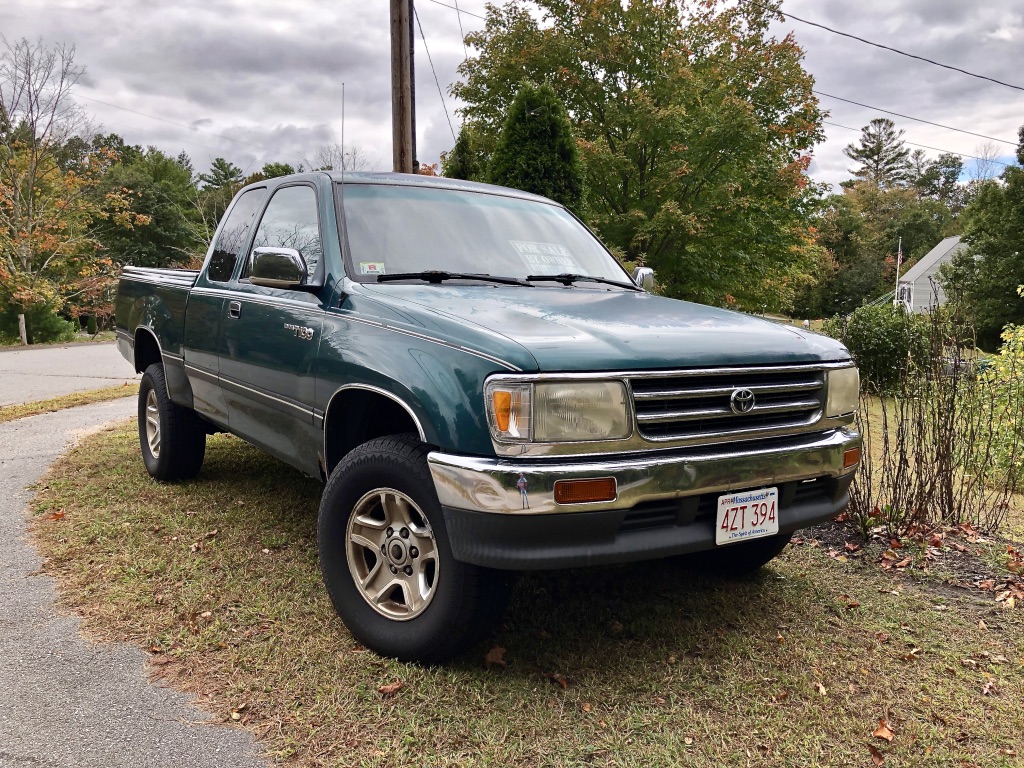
x: 484, y: 390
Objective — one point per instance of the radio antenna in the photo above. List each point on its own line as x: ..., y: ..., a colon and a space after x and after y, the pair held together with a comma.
x: 342, y: 139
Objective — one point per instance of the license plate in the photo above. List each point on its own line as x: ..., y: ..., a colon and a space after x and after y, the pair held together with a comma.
x: 747, y: 515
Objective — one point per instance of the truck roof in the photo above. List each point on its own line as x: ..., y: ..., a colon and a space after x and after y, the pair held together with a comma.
x: 438, y: 182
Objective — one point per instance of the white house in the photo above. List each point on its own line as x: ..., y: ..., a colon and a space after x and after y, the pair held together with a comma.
x: 919, y: 289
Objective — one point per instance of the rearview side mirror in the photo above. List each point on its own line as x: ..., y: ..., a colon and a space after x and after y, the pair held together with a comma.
x: 277, y: 268
x: 644, y: 278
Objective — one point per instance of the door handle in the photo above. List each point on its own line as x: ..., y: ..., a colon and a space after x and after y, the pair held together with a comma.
x: 234, y: 309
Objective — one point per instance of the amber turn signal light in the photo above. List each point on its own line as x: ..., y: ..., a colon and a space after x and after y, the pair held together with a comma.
x: 582, y: 491
x: 502, y: 409
x: 851, y: 457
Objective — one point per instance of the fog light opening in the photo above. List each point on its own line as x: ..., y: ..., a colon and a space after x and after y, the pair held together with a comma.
x: 584, y: 491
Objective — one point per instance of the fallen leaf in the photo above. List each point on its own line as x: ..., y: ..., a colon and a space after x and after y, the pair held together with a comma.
x: 982, y: 625
x: 935, y: 540
x: 557, y: 678
x: 1006, y: 751
x: 989, y: 689
x: 851, y: 547
x: 779, y: 638
x: 391, y: 688
x: 211, y: 534
x: 882, y: 637
x: 495, y: 658
x: 58, y: 515
x: 852, y: 604
x: 687, y: 741
x: 1000, y: 659
x: 821, y: 689
x: 987, y: 584
x: 913, y: 655
x: 876, y: 757
x: 206, y: 615
x: 904, y: 562
x: 883, y: 731
x: 586, y: 706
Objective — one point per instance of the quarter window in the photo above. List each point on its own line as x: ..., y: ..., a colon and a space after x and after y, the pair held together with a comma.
x: 233, y: 235
x: 291, y: 221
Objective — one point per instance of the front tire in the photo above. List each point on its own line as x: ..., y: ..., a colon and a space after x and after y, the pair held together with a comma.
x: 172, y: 436
x: 387, y: 563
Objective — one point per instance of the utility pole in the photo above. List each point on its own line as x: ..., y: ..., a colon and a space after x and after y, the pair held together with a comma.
x: 403, y: 91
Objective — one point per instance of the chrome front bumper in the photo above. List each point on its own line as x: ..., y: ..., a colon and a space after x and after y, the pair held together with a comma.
x: 496, y: 485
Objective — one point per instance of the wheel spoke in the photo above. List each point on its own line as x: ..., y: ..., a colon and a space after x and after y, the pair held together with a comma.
x: 391, y: 550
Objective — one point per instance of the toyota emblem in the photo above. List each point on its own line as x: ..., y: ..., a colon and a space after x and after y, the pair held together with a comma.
x: 742, y: 401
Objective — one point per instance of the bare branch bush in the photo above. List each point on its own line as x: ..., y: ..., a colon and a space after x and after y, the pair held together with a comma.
x: 936, y: 450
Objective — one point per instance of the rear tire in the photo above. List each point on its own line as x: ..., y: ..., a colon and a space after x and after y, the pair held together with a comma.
x: 172, y: 436
x: 738, y: 560
x: 387, y: 563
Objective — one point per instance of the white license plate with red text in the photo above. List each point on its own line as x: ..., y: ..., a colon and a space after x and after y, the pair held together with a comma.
x: 747, y: 515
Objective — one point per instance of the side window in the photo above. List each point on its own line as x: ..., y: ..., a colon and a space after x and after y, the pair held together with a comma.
x: 291, y: 221
x: 233, y: 236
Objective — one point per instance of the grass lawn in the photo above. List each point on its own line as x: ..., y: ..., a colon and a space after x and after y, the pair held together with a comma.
x: 641, y: 665
x: 21, y: 410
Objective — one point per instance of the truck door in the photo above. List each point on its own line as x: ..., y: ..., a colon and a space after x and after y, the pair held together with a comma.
x: 270, y: 337
x: 207, y: 303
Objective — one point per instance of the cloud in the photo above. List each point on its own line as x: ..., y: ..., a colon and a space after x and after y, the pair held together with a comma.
x: 265, y: 76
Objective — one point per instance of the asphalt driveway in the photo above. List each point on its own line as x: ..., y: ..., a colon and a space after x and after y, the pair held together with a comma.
x: 28, y: 374
x: 63, y: 700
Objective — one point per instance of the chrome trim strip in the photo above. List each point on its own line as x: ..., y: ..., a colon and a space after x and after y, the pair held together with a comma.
x: 203, y: 373
x: 603, y: 375
x: 491, y: 484
x: 173, y: 356
x: 683, y: 394
x: 704, y: 413
x: 253, y: 298
x: 379, y: 391
x: 226, y: 382
x: 442, y: 342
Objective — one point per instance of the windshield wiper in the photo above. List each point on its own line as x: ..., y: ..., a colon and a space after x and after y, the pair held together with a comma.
x: 439, y: 276
x: 568, y: 278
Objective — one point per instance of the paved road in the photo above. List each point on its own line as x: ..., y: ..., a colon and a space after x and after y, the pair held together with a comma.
x: 39, y: 374
x: 64, y: 701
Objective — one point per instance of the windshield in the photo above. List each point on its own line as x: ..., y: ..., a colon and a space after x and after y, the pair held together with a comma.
x: 395, y: 229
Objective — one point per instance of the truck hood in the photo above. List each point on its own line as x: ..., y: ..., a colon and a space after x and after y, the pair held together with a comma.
x: 582, y: 329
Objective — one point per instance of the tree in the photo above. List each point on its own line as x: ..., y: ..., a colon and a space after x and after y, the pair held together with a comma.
x: 223, y: 175
x: 48, y: 178
x: 160, y: 187
x: 881, y: 153
x: 464, y: 161
x: 334, y: 157
x: 273, y: 170
x: 693, y: 123
x: 985, y: 276
x: 536, y: 151
x: 861, y: 229
x: 939, y: 179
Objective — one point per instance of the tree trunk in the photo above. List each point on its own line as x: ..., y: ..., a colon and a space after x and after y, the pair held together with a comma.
x: 21, y: 329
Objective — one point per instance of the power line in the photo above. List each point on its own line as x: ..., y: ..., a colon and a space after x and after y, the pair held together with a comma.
x: 925, y: 146
x: 458, y: 10
x: 172, y: 122
x: 462, y: 32
x: 438, y: 82
x: 917, y: 119
x: 820, y: 93
x: 885, y: 47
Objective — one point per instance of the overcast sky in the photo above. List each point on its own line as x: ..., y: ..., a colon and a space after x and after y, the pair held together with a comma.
x: 265, y: 76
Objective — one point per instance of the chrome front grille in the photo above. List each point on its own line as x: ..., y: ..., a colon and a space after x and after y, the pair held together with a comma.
x: 697, y: 404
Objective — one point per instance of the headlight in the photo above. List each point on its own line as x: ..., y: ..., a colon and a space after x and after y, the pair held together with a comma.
x: 843, y: 392
x: 558, y: 411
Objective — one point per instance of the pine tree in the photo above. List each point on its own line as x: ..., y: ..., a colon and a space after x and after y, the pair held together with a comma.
x: 536, y: 150
x: 883, y: 157
x: 463, y: 162
x: 223, y: 174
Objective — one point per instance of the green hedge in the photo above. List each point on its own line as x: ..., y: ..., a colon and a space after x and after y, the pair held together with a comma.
x: 884, y: 341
